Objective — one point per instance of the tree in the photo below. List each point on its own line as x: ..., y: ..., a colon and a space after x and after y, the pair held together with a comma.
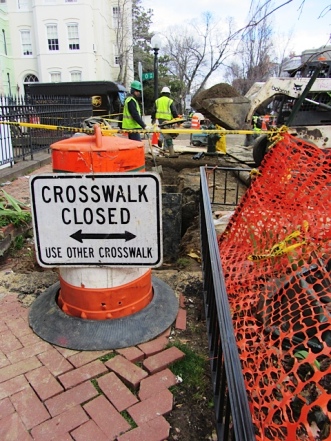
x: 195, y: 52
x: 255, y: 51
x: 123, y: 41
x: 141, y: 22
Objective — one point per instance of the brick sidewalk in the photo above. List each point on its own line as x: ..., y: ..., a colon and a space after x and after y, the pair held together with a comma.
x: 51, y: 393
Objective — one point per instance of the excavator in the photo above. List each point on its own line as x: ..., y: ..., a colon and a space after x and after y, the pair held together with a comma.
x: 300, y: 101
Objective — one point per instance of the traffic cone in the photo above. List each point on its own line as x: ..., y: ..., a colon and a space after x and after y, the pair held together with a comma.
x: 195, y: 122
x: 265, y: 122
x: 155, y: 138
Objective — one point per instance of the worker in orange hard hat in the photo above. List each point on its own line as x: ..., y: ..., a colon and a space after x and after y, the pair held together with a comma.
x: 164, y: 110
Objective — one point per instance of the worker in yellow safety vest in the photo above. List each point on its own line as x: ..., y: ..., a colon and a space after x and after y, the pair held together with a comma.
x: 164, y: 110
x: 132, y: 113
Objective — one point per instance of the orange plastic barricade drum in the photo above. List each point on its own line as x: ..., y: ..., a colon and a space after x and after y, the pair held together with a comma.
x: 93, y: 292
x: 195, y: 122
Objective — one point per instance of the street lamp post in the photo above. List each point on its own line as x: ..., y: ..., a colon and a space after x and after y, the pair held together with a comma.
x: 156, y: 44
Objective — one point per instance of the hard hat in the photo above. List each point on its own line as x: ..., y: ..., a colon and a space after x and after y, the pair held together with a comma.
x: 165, y: 89
x: 199, y: 116
x: 136, y: 85
x: 89, y: 123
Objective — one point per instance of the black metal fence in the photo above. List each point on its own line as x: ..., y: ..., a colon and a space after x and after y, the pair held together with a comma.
x: 19, y: 142
x: 233, y: 417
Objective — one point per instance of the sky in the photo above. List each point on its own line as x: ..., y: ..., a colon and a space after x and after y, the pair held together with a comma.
x: 309, y: 29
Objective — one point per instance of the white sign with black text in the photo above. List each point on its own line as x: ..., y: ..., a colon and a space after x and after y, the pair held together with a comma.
x: 95, y: 220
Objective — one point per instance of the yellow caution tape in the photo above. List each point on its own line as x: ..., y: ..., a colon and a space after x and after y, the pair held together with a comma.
x: 110, y: 131
x: 282, y: 247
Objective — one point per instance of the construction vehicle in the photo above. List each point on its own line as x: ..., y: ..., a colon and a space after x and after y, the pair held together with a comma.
x: 303, y: 104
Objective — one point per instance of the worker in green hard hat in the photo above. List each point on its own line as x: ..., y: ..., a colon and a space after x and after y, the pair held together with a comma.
x: 131, y: 113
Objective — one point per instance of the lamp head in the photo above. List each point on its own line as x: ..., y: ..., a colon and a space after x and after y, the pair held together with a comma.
x: 156, y: 42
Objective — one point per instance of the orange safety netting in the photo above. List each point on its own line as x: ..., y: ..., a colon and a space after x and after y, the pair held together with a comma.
x: 276, y: 257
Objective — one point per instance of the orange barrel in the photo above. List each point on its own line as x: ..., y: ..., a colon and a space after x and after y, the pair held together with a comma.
x: 97, y: 153
x: 195, y: 122
x: 100, y: 293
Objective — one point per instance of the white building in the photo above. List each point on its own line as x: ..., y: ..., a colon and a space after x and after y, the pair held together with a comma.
x: 65, y: 40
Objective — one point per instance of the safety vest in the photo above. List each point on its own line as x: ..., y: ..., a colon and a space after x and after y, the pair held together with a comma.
x: 128, y: 122
x: 163, y: 110
x: 195, y: 122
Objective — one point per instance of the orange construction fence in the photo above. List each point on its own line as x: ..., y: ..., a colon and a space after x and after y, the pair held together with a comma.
x: 276, y: 258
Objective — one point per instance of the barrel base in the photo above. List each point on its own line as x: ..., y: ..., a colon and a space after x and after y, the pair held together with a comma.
x: 50, y: 323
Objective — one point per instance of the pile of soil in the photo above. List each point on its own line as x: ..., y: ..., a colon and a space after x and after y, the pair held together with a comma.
x: 221, y: 90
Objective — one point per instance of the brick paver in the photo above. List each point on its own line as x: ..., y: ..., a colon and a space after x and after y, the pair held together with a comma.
x: 44, y: 383
x: 106, y: 417
x: 159, y: 404
x: 116, y: 391
x: 154, y: 346
x: 12, y: 428
x: 89, y: 432
x: 6, y: 408
x: 70, y: 398
x: 30, y: 409
x: 55, y: 362
x: 160, y: 361
x: 155, y: 383
x: 60, y: 425
x: 127, y: 371
x: 82, y: 374
x: 154, y: 430
x: 86, y: 357
x: 181, y: 319
x: 13, y: 370
x: 12, y: 386
x: 132, y: 354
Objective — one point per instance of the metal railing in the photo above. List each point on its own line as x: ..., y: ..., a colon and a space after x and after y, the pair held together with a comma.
x: 232, y: 182
x: 18, y: 142
x: 233, y: 418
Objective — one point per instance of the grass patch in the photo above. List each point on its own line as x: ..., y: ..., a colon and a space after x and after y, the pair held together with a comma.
x: 107, y: 357
x: 183, y: 262
x: 18, y: 243
x: 191, y: 368
x: 96, y: 386
x: 12, y: 211
x: 127, y: 417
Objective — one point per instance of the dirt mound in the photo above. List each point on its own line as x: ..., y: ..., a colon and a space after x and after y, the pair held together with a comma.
x: 223, y: 106
x: 221, y: 90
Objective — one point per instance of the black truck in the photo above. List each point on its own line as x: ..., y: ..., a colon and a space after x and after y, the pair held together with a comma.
x: 107, y: 97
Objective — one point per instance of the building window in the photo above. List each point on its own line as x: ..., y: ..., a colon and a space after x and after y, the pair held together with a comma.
x: 55, y: 77
x: 23, y: 5
x: 31, y: 79
x: 73, y: 36
x: 76, y: 75
x: 4, y: 41
x: 26, y: 42
x: 52, y: 37
x: 116, y: 16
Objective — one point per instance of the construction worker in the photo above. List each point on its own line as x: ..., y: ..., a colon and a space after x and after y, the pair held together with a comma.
x: 164, y: 110
x: 132, y: 113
